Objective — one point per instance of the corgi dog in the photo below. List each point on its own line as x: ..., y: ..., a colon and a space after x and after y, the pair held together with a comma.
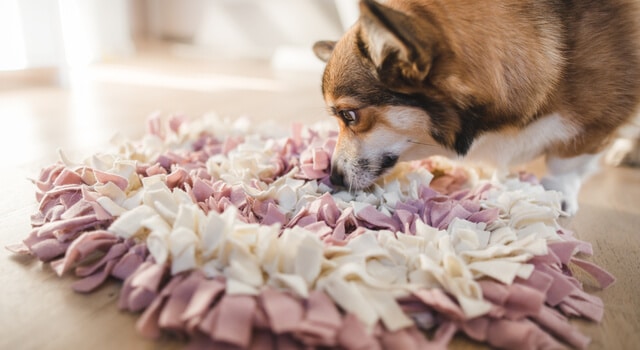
x: 498, y: 81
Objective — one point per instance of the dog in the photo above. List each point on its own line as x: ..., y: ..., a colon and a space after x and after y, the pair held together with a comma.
x: 500, y: 82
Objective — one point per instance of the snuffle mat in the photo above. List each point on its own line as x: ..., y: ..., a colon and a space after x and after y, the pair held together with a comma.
x: 230, y: 235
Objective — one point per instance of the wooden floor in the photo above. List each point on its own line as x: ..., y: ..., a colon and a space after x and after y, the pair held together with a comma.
x: 39, y: 311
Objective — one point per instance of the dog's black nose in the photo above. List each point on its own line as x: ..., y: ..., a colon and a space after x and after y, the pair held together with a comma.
x: 388, y: 161
x: 336, y: 178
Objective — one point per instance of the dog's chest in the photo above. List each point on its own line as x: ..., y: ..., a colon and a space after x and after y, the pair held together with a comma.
x: 505, y: 148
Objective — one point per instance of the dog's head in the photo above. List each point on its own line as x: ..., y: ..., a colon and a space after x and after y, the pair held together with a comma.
x: 387, y: 82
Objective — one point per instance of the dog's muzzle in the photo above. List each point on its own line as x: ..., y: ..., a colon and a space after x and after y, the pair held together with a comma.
x: 363, y: 172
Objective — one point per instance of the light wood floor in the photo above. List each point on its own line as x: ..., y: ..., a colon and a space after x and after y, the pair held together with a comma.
x: 39, y: 310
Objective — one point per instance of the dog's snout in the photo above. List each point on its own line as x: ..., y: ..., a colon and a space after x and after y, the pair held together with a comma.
x: 337, y: 177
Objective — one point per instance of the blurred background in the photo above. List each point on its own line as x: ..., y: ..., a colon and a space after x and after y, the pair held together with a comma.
x: 47, y: 33
x: 75, y: 72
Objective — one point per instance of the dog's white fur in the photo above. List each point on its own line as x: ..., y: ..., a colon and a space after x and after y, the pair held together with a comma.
x: 510, y: 147
x: 499, y: 150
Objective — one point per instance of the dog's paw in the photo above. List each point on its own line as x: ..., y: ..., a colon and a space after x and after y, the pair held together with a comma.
x: 566, y: 176
x: 569, y: 187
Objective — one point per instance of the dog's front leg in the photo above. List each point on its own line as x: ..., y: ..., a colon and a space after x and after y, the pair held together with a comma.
x: 566, y: 175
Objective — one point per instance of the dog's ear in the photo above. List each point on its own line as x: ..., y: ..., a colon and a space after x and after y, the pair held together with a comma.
x: 401, y: 47
x: 323, y: 49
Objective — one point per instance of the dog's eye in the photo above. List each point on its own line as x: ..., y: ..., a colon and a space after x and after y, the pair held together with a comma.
x: 349, y: 117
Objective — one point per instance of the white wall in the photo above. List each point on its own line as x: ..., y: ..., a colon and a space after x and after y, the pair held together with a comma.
x: 244, y: 27
x: 56, y: 33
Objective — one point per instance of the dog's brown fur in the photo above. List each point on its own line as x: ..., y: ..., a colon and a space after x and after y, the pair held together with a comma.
x: 475, y: 67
